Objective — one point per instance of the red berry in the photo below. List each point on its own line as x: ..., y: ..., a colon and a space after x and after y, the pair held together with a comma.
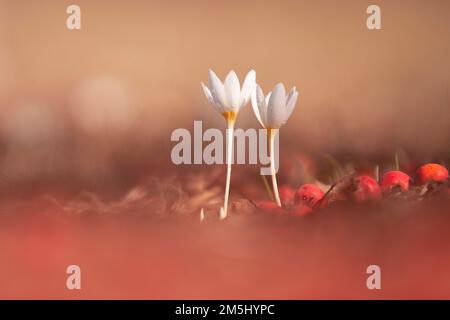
x: 392, y: 179
x: 309, y: 195
x: 366, y: 188
x: 301, y: 210
x: 432, y: 172
x: 286, y: 195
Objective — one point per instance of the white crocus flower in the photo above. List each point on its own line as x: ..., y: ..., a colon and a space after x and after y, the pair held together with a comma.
x: 272, y: 111
x: 228, y: 98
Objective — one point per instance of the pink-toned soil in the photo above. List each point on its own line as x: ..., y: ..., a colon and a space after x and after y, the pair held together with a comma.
x: 251, y: 255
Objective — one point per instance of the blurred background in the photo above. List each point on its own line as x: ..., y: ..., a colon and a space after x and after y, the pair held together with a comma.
x: 96, y: 107
x: 85, y: 123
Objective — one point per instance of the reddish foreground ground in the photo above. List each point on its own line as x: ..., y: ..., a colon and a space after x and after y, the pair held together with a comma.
x: 253, y: 255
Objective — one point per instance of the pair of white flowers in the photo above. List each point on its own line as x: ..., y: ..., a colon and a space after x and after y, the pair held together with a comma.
x: 272, y: 111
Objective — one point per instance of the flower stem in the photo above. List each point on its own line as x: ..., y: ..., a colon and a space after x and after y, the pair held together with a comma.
x: 272, y: 135
x: 267, y: 186
x: 231, y: 119
x: 397, y: 162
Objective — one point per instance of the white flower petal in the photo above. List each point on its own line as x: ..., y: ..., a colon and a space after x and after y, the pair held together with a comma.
x: 248, y: 87
x: 232, y: 90
x: 268, y: 97
x: 276, y: 109
x: 278, y: 96
x: 217, y: 89
x: 207, y: 92
x: 289, y: 95
x: 262, y: 106
x: 210, y: 98
x: 291, y: 100
x: 259, y: 105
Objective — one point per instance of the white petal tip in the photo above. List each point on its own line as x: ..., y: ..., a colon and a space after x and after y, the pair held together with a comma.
x: 280, y: 85
x: 211, y: 72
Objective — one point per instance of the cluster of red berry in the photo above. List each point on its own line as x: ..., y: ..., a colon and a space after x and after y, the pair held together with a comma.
x: 358, y: 188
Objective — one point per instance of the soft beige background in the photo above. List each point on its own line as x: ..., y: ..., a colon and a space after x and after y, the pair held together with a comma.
x: 132, y: 74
